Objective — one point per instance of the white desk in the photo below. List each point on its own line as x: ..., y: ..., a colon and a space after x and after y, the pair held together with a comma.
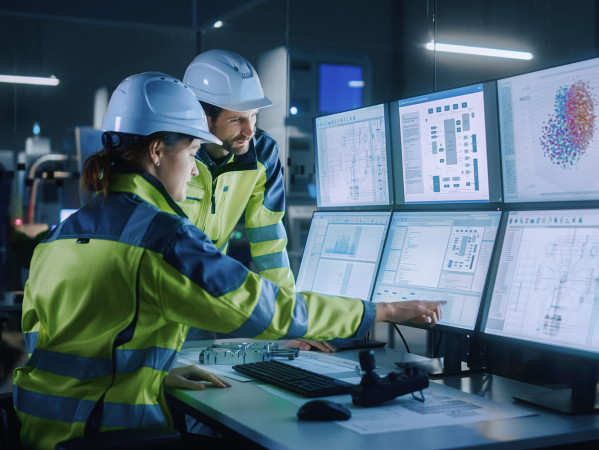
x: 270, y: 420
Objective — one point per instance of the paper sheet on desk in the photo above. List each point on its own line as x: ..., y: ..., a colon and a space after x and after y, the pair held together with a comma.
x: 443, y: 406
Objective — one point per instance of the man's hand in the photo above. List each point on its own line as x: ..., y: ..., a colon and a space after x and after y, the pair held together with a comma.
x: 305, y: 345
x: 192, y: 377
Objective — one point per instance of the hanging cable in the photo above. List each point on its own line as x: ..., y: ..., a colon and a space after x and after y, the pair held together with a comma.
x: 402, y: 338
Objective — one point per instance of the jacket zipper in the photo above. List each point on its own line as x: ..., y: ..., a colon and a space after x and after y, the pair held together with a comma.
x: 213, y: 197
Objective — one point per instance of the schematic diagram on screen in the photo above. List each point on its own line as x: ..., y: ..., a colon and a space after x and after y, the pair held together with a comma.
x: 353, y: 166
x: 556, y: 285
x: 463, y: 248
x: 444, y: 149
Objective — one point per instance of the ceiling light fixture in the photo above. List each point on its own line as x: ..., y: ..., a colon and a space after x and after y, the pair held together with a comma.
x: 40, y: 81
x: 480, y: 51
x: 218, y: 24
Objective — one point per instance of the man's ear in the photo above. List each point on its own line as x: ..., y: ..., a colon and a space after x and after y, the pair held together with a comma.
x: 210, y: 122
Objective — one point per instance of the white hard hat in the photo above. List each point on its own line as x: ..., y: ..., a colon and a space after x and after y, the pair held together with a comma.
x: 227, y: 80
x: 149, y: 102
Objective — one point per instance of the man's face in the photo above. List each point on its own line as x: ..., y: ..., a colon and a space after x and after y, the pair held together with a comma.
x: 235, y: 129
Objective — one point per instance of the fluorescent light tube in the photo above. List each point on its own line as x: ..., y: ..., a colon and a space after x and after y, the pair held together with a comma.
x: 41, y: 81
x: 480, y: 51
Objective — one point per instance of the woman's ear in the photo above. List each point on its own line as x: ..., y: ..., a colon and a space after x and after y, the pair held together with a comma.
x: 156, y: 151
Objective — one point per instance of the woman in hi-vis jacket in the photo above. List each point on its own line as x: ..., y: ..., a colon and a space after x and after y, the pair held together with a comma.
x: 114, y: 288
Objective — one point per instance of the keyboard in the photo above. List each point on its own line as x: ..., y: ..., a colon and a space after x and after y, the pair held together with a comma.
x: 294, y: 379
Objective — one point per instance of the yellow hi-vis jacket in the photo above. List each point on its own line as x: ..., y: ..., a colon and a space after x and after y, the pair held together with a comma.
x: 111, y: 295
x: 252, y: 182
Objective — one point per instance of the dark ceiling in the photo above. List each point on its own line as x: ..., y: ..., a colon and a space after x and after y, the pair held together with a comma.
x: 194, y: 14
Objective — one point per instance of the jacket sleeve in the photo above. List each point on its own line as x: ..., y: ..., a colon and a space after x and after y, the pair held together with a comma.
x: 203, y: 288
x: 264, y: 217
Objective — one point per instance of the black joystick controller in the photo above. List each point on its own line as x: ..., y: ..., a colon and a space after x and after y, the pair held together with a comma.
x: 374, y: 390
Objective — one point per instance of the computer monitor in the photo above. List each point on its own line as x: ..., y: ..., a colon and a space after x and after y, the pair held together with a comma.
x: 342, y: 253
x: 549, y: 128
x: 353, y: 166
x: 544, y: 292
x: 439, y: 255
x: 446, y: 147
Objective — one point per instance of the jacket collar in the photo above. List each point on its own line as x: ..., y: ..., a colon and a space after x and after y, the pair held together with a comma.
x: 148, y: 188
x: 247, y: 161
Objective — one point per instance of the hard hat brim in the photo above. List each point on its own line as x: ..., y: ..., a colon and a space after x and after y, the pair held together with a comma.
x: 247, y: 106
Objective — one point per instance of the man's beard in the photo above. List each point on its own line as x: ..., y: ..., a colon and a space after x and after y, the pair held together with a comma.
x: 237, y: 150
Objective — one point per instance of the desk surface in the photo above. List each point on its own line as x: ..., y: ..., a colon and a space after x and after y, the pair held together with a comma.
x: 271, y: 420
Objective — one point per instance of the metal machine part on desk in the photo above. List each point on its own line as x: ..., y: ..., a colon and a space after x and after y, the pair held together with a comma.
x: 242, y: 353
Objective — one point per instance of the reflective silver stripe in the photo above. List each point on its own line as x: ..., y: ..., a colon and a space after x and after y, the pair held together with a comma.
x: 266, y: 233
x: 84, y: 368
x: 54, y: 407
x: 271, y: 261
x: 263, y: 312
x: 158, y: 358
x: 299, y: 319
x: 79, y: 367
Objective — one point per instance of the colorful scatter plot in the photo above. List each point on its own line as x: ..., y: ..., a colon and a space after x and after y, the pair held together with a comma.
x: 566, y: 135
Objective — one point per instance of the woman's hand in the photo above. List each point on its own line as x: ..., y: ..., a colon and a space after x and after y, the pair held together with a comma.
x: 417, y: 311
x: 192, y: 377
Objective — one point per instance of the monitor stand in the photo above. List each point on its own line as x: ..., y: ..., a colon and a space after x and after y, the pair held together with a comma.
x: 581, y: 398
x: 450, y: 364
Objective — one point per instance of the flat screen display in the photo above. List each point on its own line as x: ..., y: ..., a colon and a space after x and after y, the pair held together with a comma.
x: 439, y: 256
x: 340, y: 87
x: 342, y: 253
x: 546, y: 288
x: 448, y: 147
x: 352, y: 158
x: 549, y: 124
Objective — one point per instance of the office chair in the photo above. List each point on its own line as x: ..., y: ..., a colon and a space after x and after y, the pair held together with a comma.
x: 9, y: 424
x: 155, y: 438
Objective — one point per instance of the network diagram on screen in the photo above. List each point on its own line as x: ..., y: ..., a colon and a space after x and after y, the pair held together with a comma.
x: 547, y: 283
x: 342, y: 253
x: 443, y: 146
x: 438, y: 256
x: 549, y: 128
x: 352, y: 158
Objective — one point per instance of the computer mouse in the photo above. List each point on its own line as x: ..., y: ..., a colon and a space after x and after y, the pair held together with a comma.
x: 323, y: 410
